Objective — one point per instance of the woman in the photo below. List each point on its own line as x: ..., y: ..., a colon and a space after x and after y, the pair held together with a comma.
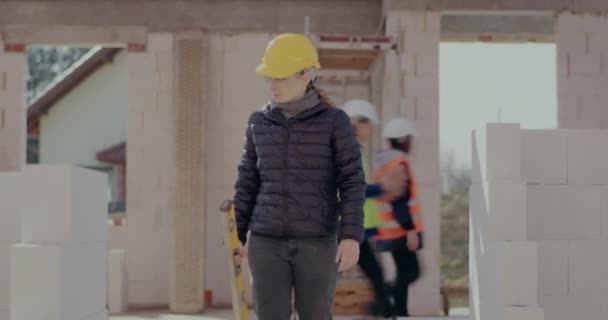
x: 300, y: 188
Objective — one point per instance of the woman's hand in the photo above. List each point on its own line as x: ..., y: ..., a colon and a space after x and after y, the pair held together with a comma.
x: 240, y: 254
x: 348, y: 254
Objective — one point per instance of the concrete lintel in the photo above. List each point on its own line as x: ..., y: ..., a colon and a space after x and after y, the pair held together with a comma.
x: 335, y: 16
x: 500, y: 5
x: 74, y: 34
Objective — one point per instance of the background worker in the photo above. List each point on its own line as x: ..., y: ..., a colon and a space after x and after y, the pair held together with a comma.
x: 363, y: 118
x: 400, y: 224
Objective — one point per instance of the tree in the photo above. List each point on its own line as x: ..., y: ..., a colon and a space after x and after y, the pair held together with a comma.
x: 46, y: 63
x: 455, y: 225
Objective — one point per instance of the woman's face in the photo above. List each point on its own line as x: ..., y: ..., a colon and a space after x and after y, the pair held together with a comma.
x: 289, y: 89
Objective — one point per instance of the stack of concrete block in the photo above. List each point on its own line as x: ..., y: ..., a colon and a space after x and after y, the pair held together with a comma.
x: 58, y: 272
x: 10, y: 233
x: 583, y: 71
x: 567, y: 176
x: 504, y: 263
x: 117, y: 282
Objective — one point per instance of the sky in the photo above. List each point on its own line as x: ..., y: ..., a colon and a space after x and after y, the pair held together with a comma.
x: 481, y: 82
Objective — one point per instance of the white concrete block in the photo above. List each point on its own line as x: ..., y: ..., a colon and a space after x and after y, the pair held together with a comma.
x: 605, y: 213
x: 160, y: 42
x: 588, y: 157
x: 411, y: 21
x: 588, y: 268
x: 523, y: 313
x: 421, y: 86
x: 10, y: 228
x: 74, y: 274
x: 425, y: 43
x: 595, y: 23
x: 564, y: 212
x: 507, y: 217
x: 553, y: 267
x: 571, y: 43
x: 14, y: 118
x: 427, y: 65
x: 13, y: 62
x: 569, y: 23
x: 563, y: 65
x: 408, y: 64
x: 510, y: 273
x: 427, y: 108
x: 503, y: 151
x: 593, y: 108
x: 427, y: 130
x: 586, y: 65
x: 5, y: 262
x: 597, y: 43
x: 70, y: 204
x: 569, y: 107
x: 580, y: 124
x: 117, y: 282
x: 5, y: 315
x: 543, y: 156
x: 577, y: 84
x: 559, y: 307
x: 98, y: 316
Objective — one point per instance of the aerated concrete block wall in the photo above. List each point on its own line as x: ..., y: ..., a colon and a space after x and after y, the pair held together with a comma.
x: 503, y: 260
x: 411, y: 89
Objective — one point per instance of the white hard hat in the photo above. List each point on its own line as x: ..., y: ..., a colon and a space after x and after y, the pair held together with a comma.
x: 399, y: 128
x: 361, y: 108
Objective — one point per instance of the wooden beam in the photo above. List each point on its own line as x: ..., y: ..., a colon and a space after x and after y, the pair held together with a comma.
x: 346, y: 63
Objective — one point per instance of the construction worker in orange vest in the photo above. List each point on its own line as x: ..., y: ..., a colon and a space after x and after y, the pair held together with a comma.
x: 363, y: 118
x: 400, y: 225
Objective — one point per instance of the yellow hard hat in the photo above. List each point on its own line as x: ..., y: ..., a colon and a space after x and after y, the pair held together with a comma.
x: 288, y: 54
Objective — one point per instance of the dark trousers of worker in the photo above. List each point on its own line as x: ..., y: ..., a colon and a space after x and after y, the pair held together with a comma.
x: 408, y: 271
x: 370, y: 266
x: 306, y: 265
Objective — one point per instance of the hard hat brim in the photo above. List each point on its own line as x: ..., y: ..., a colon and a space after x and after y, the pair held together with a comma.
x: 278, y: 72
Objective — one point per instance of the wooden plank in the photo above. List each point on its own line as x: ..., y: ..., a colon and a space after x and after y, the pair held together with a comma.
x: 349, y: 52
x: 353, y: 298
x: 345, y: 63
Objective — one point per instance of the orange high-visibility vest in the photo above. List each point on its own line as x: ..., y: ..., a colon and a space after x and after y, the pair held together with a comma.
x: 389, y: 228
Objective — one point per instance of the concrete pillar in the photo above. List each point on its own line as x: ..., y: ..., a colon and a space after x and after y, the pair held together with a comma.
x: 187, y: 267
x: 12, y: 109
x: 151, y: 171
x: 416, y: 96
x: 582, y: 57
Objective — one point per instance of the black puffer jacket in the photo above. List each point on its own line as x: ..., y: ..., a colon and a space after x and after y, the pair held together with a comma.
x: 292, y: 172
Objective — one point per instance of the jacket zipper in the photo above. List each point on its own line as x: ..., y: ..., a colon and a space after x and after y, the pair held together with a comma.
x: 285, y: 173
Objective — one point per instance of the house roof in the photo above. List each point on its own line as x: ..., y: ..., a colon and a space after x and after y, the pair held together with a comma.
x: 114, y: 154
x: 68, y: 80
